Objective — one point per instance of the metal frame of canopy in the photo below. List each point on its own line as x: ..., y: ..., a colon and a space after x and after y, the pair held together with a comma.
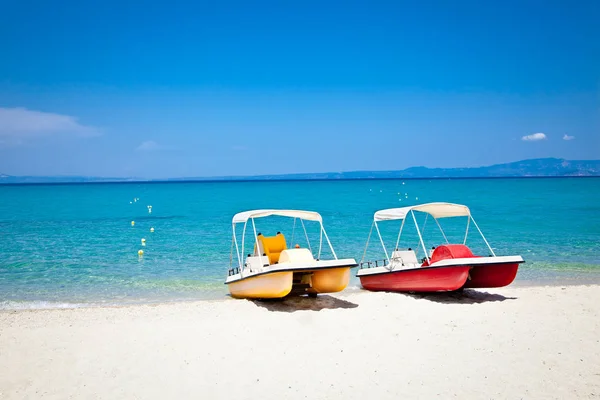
x: 243, y: 217
x: 441, y: 210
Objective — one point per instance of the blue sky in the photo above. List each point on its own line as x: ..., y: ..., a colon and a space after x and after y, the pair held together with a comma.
x: 164, y: 89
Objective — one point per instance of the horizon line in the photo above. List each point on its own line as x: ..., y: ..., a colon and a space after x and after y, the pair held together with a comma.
x: 286, y: 176
x: 157, y: 181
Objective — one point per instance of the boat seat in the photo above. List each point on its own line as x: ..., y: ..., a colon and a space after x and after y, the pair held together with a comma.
x: 296, y: 256
x: 448, y: 251
x: 408, y: 258
x: 272, y: 246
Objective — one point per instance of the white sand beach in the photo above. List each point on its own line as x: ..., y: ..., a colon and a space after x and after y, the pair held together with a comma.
x: 510, y: 343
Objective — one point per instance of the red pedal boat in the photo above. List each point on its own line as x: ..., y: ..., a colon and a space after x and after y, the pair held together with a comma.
x: 449, y: 267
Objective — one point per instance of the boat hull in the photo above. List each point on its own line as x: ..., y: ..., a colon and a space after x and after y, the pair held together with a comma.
x: 330, y: 280
x: 425, y: 279
x: 268, y: 286
x: 492, y: 276
x: 297, y: 281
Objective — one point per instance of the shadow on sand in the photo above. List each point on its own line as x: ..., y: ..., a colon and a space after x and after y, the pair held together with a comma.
x: 300, y: 303
x: 466, y: 296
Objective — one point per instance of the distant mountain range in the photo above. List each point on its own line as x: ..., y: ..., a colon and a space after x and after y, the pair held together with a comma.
x: 541, y: 167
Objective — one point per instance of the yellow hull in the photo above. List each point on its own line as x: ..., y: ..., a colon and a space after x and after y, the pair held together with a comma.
x: 269, y: 286
x: 279, y: 284
x: 330, y: 280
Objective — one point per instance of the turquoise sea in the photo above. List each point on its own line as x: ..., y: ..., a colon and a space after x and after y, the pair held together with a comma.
x: 70, y: 245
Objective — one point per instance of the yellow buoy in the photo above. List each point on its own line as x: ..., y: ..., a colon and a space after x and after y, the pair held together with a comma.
x: 140, y: 252
x: 151, y: 229
x: 132, y: 223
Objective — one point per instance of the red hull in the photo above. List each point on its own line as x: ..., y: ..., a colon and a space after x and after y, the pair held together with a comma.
x: 426, y: 279
x: 492, y: 276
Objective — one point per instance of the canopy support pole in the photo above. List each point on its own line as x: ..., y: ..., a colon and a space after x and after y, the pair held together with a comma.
x: 367, y: 245
x: 237, y: 250
x: 231, y: 251
x: 256, y: 238
x: 293, y: 231
x: 328, y: 242
x: 243, y: 240
x: 486, y: 242
x: 381, y: 240
x: 320, y: 242
x: 441, y: 230
x: 467, y: 231
x: 399, y: 234
x: 425, y: 223
x: 420, y: 237
x: 306, y: 234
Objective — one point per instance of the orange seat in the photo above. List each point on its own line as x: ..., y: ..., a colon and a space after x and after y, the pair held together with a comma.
x: 272, y: 246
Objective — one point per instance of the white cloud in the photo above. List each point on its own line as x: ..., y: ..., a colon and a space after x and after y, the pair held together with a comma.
x: 24, y: 123
x: 534, y: 137
x: 567, y: 137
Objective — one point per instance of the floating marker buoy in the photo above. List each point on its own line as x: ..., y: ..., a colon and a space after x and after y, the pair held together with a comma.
x: 403, y: 183
x: 132, y: 223
x: 131, y: 202
x: 140, y: 252
x: 151, y: 229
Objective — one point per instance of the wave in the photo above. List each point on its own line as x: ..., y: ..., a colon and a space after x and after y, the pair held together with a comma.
x: 40, y: 305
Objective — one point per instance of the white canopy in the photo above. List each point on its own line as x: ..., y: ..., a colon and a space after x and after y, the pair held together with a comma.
x: 307, y: 215
x: 436, y: 210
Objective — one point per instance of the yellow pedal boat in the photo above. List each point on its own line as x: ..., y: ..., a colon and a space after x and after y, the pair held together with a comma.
x: 274, y: 271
